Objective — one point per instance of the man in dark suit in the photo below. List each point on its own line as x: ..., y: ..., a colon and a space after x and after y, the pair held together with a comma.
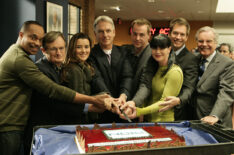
x: 214, y: 93
x: 179, y: 31
x: 112, y: 71
x: 139, y: 53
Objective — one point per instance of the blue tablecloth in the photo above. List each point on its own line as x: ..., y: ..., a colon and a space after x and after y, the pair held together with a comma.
x: 60, y: 139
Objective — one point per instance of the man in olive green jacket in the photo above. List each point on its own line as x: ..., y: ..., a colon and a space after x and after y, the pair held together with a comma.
x: 18, y: 76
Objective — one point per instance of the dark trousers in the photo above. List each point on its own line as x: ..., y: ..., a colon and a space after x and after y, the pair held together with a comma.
x: 11, y: 143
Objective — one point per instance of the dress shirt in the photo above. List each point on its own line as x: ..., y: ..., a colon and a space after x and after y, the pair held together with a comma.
x: 108, y: 54
x: 179, y: 50
x: 209, y: 58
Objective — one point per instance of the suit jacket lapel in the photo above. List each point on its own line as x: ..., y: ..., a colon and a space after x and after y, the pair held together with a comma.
x: 180, y: 56
x: 102, y: 59
x: 210, y: 68
x: 115, y: 56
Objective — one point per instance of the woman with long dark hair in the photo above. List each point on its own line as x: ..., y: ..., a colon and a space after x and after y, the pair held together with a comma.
x: 77, y: 72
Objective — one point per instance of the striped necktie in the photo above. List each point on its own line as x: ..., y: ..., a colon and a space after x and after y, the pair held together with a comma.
x: 109, y: 58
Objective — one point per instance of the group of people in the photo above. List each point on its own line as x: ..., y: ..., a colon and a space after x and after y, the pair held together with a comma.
x: 154, y: 79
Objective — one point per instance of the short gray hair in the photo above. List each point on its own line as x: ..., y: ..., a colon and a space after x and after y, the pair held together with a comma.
x: 105, y: 19
x: 207, y: 29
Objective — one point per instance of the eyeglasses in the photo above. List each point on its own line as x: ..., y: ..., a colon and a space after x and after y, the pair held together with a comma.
x: 55, y: 49
x: 205, y: 41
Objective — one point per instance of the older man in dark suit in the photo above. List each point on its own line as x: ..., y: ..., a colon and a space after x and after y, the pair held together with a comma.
x: 113, y: 74
x: 214, y: 93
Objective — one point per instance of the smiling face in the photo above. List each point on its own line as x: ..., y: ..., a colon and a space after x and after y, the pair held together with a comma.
x: 31, y: 39
x: 178, y: 36
x: 105, y: 34
x: 82, y: 49
x: 161, y: 55
x: 206, y: 43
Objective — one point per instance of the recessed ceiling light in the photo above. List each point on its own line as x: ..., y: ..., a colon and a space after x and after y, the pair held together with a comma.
x: 105, y: 10
x: 115, y: 8
x: 161, y: 11
x: 225, y: 6
x: 151, y: 1
x: 199, y: 11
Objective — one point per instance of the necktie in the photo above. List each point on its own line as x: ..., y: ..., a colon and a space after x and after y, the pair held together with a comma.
x: 202, y: 67
x: 109, y: 58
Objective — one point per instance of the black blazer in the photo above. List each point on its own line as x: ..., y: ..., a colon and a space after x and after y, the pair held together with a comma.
x: 140, y: 64
x: 189, y: 65
x: 114, y: 78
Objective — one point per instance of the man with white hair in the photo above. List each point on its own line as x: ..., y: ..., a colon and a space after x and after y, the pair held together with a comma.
x: 113, y: 73
x: 214, y: 92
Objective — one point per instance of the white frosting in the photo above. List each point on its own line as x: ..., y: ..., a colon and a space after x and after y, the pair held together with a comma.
x: 129, y: 142
x: 126, y: 133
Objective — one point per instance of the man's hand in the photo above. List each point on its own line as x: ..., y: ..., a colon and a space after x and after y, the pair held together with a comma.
x: 169, y: 103
x: 94, y: 108
x: 100, y: 100
x: 112, y: 104
x: 122, y: 99
x: 210, y: 120
x: 130, y: 110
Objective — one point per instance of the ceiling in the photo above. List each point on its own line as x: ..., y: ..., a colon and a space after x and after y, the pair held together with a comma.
x: 162, y: 9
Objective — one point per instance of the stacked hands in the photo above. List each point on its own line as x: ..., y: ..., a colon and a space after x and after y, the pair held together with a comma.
x: 116, y: 105
x: 119, y: 105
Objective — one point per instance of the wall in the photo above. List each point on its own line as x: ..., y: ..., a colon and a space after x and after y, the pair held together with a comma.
x: 226, y: 32
x: 41, y: 16
x: 13, y: 14
x: 41, y: 13
x: 88, y: 15
x: 123, y: 35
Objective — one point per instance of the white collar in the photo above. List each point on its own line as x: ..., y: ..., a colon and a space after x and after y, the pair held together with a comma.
x: 209, y: 58
x: 108, y: 52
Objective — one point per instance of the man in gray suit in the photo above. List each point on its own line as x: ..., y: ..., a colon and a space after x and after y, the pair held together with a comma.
x: 139, y: 53
x: 214, y: 92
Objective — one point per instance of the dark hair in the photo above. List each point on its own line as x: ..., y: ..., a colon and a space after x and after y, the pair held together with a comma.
x: 162, y: 41
x: 26, y: 25
x: 71, y: 54
x: 226, y: 44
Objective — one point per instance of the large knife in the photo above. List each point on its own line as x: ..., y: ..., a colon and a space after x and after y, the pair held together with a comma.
x: 125, y: 115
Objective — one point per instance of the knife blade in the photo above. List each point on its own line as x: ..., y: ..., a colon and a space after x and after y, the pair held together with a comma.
x: 125, y: 115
